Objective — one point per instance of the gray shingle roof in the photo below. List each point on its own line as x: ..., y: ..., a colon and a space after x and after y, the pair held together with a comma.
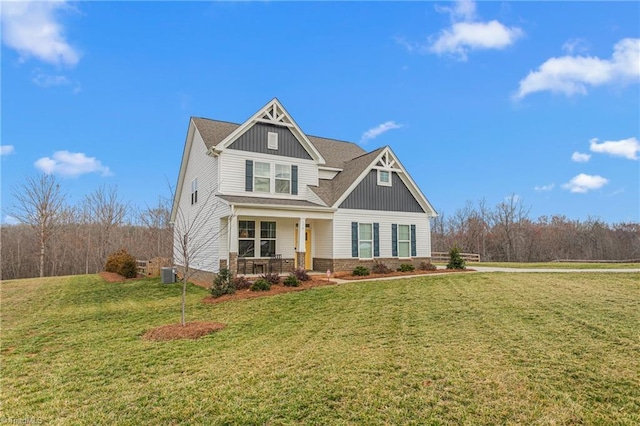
x: 239, y: 199
x: 348, y: 156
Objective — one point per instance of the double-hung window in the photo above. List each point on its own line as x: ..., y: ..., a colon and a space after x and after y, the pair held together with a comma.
x: 262, y: 177
x: 246, y: 238
x: 194, y: 191
x: 365, y: 238
x: 283, y: 179
x: 267, y: 239
x: 404, y: 241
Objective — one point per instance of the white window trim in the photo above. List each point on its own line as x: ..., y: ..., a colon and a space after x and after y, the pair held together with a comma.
x: 360, y: 240
x: 276, y: 178
x: 260, y: 239
x: 382, y: 183
x: 404, y: 241
x: 194, y: 191
x: 272, y: 141
x: 255, y: 176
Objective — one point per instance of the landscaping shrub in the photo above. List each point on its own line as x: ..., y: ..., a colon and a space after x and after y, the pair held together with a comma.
x: 455, y: 259
x: 272, y: 278
x: 241, y: 282
x: 360, y: 271
x: 121, y: 262
x: 291, y: 281
x: 301, y: 274
x: 260, y: 285
x: 222, y: 284
x: 380, y: 268
x: 406, y: 267
x: 427, y: 266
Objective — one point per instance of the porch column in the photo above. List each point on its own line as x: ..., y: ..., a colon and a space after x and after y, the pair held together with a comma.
x: 300, y: 252
x: 232, y: 239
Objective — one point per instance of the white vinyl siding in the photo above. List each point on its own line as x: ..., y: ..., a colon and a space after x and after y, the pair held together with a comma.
x: 207, y: 209
x: 342, y: 230
x: 322, y: 238
x: 232, y: 173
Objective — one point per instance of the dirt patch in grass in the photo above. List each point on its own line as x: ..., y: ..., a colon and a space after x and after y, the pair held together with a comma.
x: 192, y: 330
x: 112, y: 277
x: 349, y: 276
x: 315, y: 281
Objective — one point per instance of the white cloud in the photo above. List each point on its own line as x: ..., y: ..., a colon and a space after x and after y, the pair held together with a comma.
x: 6, y: 150
x: 463, y: 10
x: 10, y: 220
x: 573, y: 74
x: 378, y: 130
x: 545, y: 187
x: 71, y: 164
x: 32, y: 28
x: 45, y: 80
x: 584, y: 183
x: 627, y: 148
x: 575, y: 45
x: 465, y: 36
x: 579, y: 157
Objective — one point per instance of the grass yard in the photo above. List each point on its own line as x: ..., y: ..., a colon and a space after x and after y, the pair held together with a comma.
x: 554, y: 265
x: 442, y: 349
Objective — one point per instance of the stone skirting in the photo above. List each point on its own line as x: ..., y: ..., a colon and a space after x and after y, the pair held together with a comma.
x: 348, y: 265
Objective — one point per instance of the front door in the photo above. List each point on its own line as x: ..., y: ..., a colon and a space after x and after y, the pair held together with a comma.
x: 307, y: 247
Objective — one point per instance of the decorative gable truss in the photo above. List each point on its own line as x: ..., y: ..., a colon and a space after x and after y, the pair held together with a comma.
x: 386, y: 164
x: 274, y: 114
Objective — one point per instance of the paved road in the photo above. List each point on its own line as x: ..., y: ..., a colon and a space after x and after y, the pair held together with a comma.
x: 501, y: 269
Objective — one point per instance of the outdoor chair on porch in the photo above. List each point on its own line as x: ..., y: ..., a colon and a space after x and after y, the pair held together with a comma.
x: 275, y: 263
x: 242, y: 265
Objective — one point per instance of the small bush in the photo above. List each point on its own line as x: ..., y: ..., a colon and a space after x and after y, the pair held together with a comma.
x: 406, y: 267
x: 427, y: 266
x: 301, y: 274
x: 360, y: 271
x: 272, y: 278
x: 222, y: 284
x: 121, y: 262
x: 455, y: 259
x: 380, y: 268
x: 260, y: 285
x: 291, y: 281
x: 241, y: 282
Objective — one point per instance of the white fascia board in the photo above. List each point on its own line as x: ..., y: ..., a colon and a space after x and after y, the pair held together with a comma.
x: 330, y: 169
x: 272, y: 211
x: 295, y: 129
x: 177, y: 193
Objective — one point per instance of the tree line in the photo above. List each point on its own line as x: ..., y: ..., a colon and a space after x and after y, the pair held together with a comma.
x: 506, y: 233
x: 53, y: 237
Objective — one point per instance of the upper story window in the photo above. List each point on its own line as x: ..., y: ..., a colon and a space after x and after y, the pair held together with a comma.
x: 272, y: 140
x: 262, y: 177
x: 384, y: 177
x: 283, y: 179
x: 194, y: 191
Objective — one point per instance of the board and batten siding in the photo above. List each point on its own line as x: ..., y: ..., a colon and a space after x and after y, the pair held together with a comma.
x: 255, y: 140
x: 368, y: 195
x: 232, y: 173
x: 342, y: 230
x: 207, y: 210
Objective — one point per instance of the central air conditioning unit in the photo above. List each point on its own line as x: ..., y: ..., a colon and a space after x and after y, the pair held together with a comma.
x: 168, y: 275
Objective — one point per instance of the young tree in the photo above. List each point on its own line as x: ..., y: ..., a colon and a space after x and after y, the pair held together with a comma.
x: 104, y: 209
x: 40, y: 201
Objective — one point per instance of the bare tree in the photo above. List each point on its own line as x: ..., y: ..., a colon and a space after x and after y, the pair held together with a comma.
x: 108, y: 212
x: 193, y: 235
x: 40, y: 201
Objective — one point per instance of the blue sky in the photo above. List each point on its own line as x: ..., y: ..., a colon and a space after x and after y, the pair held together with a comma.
x: 479, y: 100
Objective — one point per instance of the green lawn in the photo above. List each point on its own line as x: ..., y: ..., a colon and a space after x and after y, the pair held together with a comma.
x: 556, y: 265
x: 446, y: 349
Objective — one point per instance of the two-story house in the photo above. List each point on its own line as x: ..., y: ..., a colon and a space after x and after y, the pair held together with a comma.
x: 260, y: 192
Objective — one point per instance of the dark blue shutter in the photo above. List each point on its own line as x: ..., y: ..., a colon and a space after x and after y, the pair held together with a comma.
x: 248, y: 176
x: 376, y: 240
x: 294, y: 180
x: 354, y: 239
x: 394, y: 240
x: 413, y: 241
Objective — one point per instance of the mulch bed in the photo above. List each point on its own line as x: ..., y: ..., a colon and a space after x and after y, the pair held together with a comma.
x: 401, y: 274
x: 112, y: 277
x: 192, y: 330
x: 316, y: 281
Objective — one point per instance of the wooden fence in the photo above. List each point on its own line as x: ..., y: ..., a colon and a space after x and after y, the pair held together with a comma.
x: 151, y: 268
x: 441, y: 256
